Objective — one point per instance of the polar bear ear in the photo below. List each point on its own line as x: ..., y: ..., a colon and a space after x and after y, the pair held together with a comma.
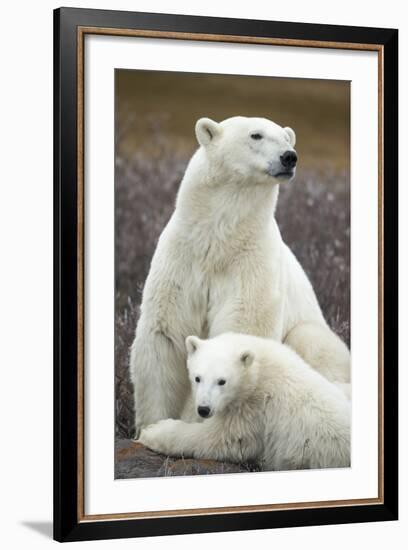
x: 192, y: 344
x: 206, y: 130
x: 291, y: 135
x: 247, y: 358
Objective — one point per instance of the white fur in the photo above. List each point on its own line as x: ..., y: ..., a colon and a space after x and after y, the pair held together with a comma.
x: 272, y: 408
x: 221, y: 265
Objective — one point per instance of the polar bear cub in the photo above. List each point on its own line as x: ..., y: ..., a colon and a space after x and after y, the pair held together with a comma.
x: 261, y: 402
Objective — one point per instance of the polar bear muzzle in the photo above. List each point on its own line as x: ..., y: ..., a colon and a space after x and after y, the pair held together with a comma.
x: 289, y: 159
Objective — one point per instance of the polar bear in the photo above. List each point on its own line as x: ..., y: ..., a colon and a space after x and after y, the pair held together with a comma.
x: 261, y: 402
x: 221, y: 265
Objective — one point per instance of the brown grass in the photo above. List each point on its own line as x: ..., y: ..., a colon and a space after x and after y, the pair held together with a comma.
x: 319, y: 110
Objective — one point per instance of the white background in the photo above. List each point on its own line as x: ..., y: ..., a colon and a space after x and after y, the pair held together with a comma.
x: 26, y: 273
x: 104, y: 495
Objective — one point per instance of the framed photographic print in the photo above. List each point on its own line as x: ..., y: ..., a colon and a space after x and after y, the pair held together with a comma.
x: 225, y: 274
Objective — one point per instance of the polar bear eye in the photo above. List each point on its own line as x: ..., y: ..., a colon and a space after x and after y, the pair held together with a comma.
x: 256, y: 136
x: 221, y: 382
x: 197, y: 379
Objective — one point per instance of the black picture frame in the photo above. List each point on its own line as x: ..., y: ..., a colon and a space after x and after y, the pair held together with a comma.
x: 67, y: 523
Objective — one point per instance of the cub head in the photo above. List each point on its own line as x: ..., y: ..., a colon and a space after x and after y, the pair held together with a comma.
x: 219, y: 374
x: 255, y: 150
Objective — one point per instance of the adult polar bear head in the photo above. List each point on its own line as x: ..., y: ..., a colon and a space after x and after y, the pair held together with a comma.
x: 247, y: 150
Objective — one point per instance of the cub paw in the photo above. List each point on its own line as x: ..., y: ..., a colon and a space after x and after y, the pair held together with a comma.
x: 158, y: 436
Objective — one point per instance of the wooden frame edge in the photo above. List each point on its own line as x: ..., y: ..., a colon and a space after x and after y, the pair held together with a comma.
x: 380, y: 274
x: 179, y: 35
x: 81, y: 32
x: 80, y: 273
x: 224, y: 510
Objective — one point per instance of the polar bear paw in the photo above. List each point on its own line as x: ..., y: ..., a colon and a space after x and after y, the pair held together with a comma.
x: 160, y: 437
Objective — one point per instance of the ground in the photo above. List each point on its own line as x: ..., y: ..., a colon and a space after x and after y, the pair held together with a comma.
x: 135, y: 460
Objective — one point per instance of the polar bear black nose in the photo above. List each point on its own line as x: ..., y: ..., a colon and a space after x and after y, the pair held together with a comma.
x: 203, y: 411
x: 289, y: 159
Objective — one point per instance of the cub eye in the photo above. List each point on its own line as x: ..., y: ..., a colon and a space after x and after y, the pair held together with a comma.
x: 221, y: 382
x: 197, y: 379
x: 256, y: 136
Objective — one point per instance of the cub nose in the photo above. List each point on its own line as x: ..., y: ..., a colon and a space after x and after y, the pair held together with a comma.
x: 204, y: 411
x: 289, y: 159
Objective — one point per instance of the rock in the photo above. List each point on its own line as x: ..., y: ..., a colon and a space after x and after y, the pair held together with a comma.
x: 133, y: 459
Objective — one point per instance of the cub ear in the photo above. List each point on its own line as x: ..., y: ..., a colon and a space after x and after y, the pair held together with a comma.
x: 291, y: 135
x: 247, y: 358
x: 192, y: 344
x: 206, y: 130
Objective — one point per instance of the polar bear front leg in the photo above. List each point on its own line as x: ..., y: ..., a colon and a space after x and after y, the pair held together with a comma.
x: 159, y: 378
x: 207, y: 439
